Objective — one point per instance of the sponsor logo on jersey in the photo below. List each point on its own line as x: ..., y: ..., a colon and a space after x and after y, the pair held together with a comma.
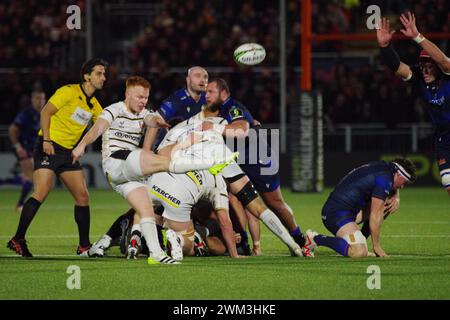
x: 127, y: 136
x: 166, y: 195
x: 437, y: 102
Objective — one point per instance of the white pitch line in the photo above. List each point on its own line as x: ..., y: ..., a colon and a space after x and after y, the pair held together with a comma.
x: 73, y: 236
x: 416, y: 236
x: 392, y: 236
x: 57, y: 255
x: 420, y: 222
x: 63, y: 236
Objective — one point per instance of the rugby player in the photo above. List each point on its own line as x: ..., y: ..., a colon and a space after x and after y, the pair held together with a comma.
x: 182, y: 105
x: 239, y: 183
x: 23, y: 135
x: 433, y: 77
x: 125, y: 165
x: 63, y: 120
x: 365, y: 189
x: 247, y: 182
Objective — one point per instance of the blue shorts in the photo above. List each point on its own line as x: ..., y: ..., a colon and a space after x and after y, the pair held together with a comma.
x: 334, y: 217
x: 262, y: 183
x: 442, y: 151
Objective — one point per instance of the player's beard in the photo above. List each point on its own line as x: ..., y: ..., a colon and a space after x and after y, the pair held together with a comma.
x: 213, y: 107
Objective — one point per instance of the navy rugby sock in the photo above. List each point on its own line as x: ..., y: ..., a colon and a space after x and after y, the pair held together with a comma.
x: 337, y: 244
x: 297, y: 235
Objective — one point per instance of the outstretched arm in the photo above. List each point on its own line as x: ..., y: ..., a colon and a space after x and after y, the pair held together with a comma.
x: 97, y: 130
x: 409, y: 22
x: 390, y: 57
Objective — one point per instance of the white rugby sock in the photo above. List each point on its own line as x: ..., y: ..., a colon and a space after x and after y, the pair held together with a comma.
x: 148, y: 229
x: 274, y: 224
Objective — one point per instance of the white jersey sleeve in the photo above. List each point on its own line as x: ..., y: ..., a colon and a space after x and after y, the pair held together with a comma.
x: 125, y: 131
x: 183, y: 129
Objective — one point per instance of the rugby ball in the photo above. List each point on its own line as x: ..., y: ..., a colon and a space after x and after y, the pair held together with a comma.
x: 249, y: 54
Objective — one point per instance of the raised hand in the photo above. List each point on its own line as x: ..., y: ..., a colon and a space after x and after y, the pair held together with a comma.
x: 409, y: 22
x: 384, y: 35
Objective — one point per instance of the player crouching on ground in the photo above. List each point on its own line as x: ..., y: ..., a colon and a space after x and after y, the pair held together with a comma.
x: 365, y: 189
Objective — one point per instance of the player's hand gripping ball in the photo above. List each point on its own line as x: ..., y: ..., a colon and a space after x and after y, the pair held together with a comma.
x: 249, y: 54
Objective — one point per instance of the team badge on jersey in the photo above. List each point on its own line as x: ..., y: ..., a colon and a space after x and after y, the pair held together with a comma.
x: 236, y: 113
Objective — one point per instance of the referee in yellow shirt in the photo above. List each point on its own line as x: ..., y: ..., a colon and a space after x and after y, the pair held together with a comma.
x: 63, y: 120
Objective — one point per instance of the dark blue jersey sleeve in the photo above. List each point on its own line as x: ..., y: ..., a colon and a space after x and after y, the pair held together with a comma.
x: 169, y: 107
x: 20, y: 120
x: 382, y: 187
x: 234, y: 110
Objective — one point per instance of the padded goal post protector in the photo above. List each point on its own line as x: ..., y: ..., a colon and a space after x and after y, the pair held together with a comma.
x: 307, y: 167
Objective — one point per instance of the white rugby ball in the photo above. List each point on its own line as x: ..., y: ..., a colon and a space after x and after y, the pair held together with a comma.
x: 249, y: 54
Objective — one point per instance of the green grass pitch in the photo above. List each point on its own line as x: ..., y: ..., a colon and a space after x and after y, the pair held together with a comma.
x: 417, y: 238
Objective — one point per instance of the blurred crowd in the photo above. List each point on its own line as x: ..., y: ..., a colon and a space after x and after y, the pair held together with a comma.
x: 34, y: 39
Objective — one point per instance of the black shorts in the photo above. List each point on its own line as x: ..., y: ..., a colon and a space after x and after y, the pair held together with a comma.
x: 59, y: 162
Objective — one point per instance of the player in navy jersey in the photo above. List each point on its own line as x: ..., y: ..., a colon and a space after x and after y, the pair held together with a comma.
x: 265, y: 181
x: 363, y: 191
x: 185, y: 102
x: 433, y: 77
x: 23, y: 134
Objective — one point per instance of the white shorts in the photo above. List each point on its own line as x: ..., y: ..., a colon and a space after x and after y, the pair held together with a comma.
x: 177, y: 202
x: 232, y: 170
x: 119, y: 173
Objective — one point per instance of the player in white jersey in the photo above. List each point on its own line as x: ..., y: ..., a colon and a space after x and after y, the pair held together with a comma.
x: 125, y: 165
x: 178, y: 193
x: 239, y: 183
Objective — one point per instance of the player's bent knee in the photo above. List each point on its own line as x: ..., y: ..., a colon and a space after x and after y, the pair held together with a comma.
x: 247, y: 194
x: 358, y: 251
x: 358, y: 244
x: 82, y: 198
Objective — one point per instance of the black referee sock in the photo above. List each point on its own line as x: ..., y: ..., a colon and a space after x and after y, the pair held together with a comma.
x: 30, y: 207
x: 83, y: 220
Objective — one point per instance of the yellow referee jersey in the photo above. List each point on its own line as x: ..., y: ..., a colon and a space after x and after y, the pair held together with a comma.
x: 73, y: 115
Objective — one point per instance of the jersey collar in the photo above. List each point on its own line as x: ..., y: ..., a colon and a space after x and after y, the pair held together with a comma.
x: 88, y: 99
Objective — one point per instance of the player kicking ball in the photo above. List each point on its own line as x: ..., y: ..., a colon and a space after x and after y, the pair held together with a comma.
x: 126, y: 165
x: 369, y: 189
